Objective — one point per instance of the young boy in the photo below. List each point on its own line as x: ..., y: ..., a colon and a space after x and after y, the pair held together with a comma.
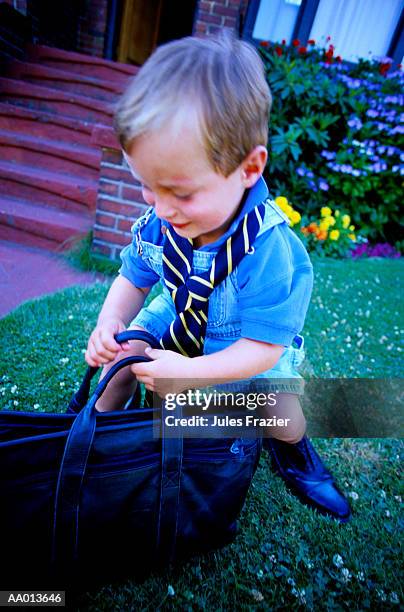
x: 237, y: 281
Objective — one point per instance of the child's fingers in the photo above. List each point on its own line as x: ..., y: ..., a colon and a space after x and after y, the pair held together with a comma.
x: 98, y: 351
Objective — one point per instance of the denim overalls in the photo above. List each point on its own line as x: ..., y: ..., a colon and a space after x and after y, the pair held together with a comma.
x: 224, y: 327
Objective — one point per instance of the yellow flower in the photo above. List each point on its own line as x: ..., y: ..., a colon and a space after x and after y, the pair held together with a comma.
x: 330, y: 220
x: 295, y: 217
x: 326, y: 211
x: 334, y: 235
x: 352, y: 237
x: 336, y: 213
x: 282, y: 202
x: 324, y: 224
x: 352, y: 227
x: 346, y: 220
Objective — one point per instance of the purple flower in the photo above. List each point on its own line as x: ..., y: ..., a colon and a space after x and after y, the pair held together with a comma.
x: 323, y: 185
x: 355, y: 123
x: 328, y: 154
x: 372, y: 113
x: 301, y: 171
x: 377, y: 250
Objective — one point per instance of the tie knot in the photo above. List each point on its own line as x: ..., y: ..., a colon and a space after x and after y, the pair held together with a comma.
x: 194, y: 294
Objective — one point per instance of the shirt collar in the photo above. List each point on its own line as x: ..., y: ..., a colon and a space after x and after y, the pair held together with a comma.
x: 253, y: 196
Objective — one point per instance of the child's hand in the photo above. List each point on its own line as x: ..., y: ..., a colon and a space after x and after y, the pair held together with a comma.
x: 102, y: 347
x: 167, y: 373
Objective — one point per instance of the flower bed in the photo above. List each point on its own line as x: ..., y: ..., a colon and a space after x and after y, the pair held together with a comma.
x: 337, y: 141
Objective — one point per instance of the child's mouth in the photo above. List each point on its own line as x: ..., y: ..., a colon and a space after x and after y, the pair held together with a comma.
x: 179, y: 225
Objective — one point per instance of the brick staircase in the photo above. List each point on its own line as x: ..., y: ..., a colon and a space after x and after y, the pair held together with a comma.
x: 49, y: 166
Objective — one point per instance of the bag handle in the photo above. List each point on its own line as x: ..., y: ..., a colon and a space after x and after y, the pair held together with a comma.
x: 76, y: 453
x: 80, y: 398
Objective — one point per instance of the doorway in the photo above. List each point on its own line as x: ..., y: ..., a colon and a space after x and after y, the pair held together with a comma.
x: 146, y: 24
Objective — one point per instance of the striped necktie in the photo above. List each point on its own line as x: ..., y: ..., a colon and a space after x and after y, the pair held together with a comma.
x: 190, y: 292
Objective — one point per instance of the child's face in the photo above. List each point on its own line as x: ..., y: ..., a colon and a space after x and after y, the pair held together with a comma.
x: 178, y: 180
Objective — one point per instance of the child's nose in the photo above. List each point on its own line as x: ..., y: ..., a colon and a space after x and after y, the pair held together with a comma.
x: 163, y: 208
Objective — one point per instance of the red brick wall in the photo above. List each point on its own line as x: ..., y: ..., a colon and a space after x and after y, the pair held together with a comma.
x: 214, y: 15
x: 92, y: 27
x: 119, y: 204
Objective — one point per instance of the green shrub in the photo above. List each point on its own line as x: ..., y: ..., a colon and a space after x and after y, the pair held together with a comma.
x: 335, y: 137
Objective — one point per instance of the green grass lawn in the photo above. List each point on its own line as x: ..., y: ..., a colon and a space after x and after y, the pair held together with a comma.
x: 286, y: 555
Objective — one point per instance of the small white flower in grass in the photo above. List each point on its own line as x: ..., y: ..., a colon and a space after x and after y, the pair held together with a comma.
x: 62, y: 384
x: 291, y: 581
x: 14, y: 389
x: 36, y: 406
x: 272, y: 558
x: 380, y: 594
x: 257, y: 595
x: 360, y: 576
x: 388, y: 513
x: 367, y: 314
x: 260, y: 574
x: 383, y: 494
x: 70, y: 317
x: 353, y: 495
x: 83, y: 351
x: 338, y: 561
x: 15, y: 402
x: 345, y: 575
x: 397, y: 498
x: 170, y: 591
x: 64, y: 360
x: 394, y: 598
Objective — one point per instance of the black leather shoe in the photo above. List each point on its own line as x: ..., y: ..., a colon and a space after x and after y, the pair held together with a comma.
x: 306, y: 475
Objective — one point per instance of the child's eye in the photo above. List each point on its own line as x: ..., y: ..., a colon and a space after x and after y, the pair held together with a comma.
x: 184, y: 197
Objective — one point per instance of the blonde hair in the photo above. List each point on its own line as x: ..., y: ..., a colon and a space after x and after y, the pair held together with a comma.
x: 221, y: 78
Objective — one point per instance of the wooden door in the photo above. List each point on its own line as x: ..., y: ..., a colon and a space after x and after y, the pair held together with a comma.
x: 139, y: 30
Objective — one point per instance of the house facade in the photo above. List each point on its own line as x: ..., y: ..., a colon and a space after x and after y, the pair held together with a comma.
x: 127, y: 31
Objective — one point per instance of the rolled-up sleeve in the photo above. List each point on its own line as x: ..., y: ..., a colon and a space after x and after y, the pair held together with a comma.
x: 275, y: 289
x: 135, y: 269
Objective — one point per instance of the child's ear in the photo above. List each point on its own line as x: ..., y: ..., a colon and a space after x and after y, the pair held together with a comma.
x: 253, y: 166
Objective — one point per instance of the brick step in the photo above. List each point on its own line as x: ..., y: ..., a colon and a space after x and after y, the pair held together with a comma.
x: 87, y: 65
x: 50, y: 188
x: 56, y: 156
x: 38, y: 225
x: 40, y: 124
x: 66, y: 81
x: 55, y: 101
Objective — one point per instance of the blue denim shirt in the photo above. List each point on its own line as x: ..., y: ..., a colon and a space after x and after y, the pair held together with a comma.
x: 265, y: 298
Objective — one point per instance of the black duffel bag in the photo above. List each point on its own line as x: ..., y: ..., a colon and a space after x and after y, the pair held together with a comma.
x: 95, y: 494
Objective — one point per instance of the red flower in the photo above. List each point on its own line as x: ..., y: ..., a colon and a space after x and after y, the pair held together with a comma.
x: 296, y: 42
x: 264, y: 43
x: 311, y: 42
x: 283, y: 41
x: 384, y: 68
x: 302, y: 50
x: 339, y: 59
x: 278, y: 51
